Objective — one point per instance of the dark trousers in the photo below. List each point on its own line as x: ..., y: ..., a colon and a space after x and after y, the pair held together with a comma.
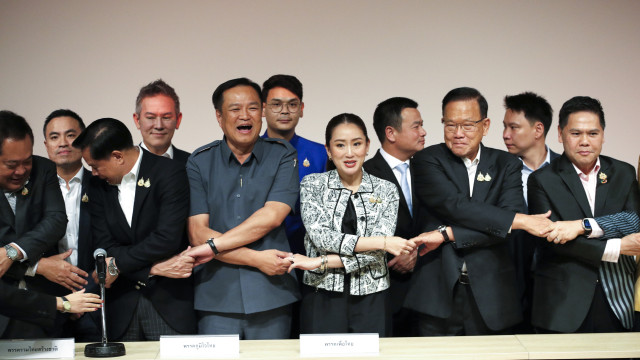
x: 326, y: 312
x: 465, y: 318
x: 147, y: 324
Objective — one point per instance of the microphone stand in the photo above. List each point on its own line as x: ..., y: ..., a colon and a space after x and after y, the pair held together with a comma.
x: 104, y: 348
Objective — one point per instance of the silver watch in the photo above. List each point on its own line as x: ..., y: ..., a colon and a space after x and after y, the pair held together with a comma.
x: 113, y: 269
x: 12, y: 253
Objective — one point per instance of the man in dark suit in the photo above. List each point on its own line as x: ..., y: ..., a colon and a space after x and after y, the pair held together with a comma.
x: 32, y: 216
x: 398, y: 125
x: 67, y: 264
x: 139, y: 204
x: 465, y: 284
x: 527, y: 121
x: 580, y: 285
x: 157, y: 117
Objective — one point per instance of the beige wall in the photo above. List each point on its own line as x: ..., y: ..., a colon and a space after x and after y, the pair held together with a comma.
x: 93, y: 56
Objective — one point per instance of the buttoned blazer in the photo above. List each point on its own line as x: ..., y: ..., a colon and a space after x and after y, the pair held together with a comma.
x: 566, y: 275
x: 323, y: 202
x: 156, y: 233
x: 30, y: 306
x: 40, y: 220
x: 480, y: 226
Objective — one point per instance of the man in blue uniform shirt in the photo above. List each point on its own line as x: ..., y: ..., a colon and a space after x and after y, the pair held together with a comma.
x: 282, y: 107
x: 242, y: 188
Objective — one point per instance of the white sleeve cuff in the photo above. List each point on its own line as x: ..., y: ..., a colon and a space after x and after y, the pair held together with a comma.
x: 31, y: 270
x: 612, y: 251
x: 596, y: 230
x: 24, y: 254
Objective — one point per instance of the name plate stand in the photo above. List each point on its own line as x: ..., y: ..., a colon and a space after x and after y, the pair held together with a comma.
x: 37, y: 349
x: 199, y: 346
x: 339, y: 344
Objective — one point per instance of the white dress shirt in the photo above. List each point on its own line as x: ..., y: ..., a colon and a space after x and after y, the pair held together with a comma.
x: 472, y: 168
x: 393, y: 162
x: 168, y: 154
x: 127, y: 189
x: 72, y: 198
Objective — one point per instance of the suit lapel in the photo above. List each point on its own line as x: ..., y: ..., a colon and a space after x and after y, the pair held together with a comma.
x: 572, y: 180
x: 84, y: 228
x: 485, y: 167
x: 6, y: 214
x: 144, y: 183
x: 387, y: 173
x: 602, y: 187
x: 23, y: 199
x: 457, y: 172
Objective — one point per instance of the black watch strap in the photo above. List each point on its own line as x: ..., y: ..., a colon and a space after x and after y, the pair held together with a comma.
x: 213, y: 247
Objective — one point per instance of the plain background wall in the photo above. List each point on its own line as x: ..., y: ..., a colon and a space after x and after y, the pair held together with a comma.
x: 93, y: 57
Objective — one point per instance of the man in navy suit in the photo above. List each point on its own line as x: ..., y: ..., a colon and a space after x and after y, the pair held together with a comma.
x: 32, y: 214
x: 472, y: 196
x: 157, y: 117
x: 139, y: 205
x: 527, y: 121
x: 398, y: 125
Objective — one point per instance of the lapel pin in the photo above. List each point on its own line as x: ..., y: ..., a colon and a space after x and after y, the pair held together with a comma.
x: 487, y: 177
x: 147, y: 183
x: 295, y: 162
x: 25, y: 191
x: 603, y: 178
x: 85, y: 198
x: 480, y: 177
x: 379, y: 201
x: 141, y: 182
x: 306, y: 163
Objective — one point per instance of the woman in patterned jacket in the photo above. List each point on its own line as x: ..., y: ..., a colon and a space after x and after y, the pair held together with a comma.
x: 350, y: 218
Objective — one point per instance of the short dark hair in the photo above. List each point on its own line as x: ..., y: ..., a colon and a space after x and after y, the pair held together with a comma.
x: 60, y: 113
x: 217, y: 98
x: 389, y: 113
x: 13, y: 126
x: 535, y: 108
x: 580, y: 103
x: 344, y: 118
x: 103, y: 136
x: 158, y: 87
x: 466, y: 93
x: 288, y: 82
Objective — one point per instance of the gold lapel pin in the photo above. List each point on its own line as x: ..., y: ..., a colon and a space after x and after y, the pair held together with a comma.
x: 480, y: 177
x: 487, y: 177
x: 603, y: 178
x: 306, y: 163
x: 85, y: 198
x: 25, y: 191
x: 147, y: 183
x: 372, y: 200
x: 141, y: 182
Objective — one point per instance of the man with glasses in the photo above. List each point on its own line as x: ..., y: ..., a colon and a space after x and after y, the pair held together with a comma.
x: 157, y: 117
x: 466, y: 283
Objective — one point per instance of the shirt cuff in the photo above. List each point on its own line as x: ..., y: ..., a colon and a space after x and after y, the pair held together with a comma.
x: 24, y: 254
x: 612, y: 251
x: 31, y: 270
x: 596, y: 230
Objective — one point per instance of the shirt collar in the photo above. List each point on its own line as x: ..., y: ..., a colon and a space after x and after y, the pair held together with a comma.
x: 77, y: 177
x: 468, y: 163
x: 133, y: 173
x: 593, y: 171
x: 257, y: 152
x: 392, y: 160
x: 546, y: 161
x: 167, y: 154
x: 293, y: 141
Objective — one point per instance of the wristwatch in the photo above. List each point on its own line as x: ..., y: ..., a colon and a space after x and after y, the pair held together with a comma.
x: 66, y: 305
x: 213, y: 246
x: 587, y: 227
x: 12, y: 253
x: 443, y: 230
x: 113, y: 269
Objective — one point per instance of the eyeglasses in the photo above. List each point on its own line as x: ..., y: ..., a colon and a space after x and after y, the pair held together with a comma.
x: 277, y: 107
x: 469, y: 126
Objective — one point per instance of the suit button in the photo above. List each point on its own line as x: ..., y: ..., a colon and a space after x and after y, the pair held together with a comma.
x: 355, y: 196
x: 137, y: 287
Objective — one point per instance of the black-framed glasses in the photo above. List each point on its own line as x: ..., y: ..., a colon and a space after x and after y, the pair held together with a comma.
x: 277, y: 107
x: 467, y: 126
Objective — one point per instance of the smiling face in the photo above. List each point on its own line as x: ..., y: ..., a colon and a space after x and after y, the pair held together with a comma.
x: 59, y: 135
x: 582, y: 139
x: 460, y: 114
x: 284, y: 121
x: 157, y: 122
x: 16, y: 161
x: 347, y: 149
x: 240, y: 117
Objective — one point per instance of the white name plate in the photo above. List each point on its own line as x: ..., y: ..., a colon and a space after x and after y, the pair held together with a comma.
x: 37, y: 349
x: 199, y: 346
x: 339, y: 344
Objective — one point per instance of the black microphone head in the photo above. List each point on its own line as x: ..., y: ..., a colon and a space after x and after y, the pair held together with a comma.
x: 99, y: 252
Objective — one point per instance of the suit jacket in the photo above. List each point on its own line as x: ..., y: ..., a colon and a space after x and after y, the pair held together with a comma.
x: 39, y: 222
x: 480, y: 226
x: 156, y: 233
x: 180, y: 155
x: 406, y: 226
x: 33, y: 307
x: 566, y: 274
x: 324, y: 201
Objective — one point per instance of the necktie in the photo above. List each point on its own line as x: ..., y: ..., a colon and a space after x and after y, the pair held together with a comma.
x: 404, y: 185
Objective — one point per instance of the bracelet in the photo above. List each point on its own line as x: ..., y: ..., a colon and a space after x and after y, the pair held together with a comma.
x: 384, y: 247
x: 213, y: 247
x: 323, y: 263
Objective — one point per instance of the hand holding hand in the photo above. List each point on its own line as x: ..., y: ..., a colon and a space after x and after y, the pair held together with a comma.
x: 272, y: 262
x: 82, y: 302
x: 404, y: 263
x: 630, y: 245
x: 431, y: 241
x: 560, y: 232
x: 302, y: 262
x: 61, y: 272
x: 177, y: 267
x: 201, y: 254
x: 397, y: 246
x: 535, y: 225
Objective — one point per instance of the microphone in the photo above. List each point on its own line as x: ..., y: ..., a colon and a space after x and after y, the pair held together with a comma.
x: 101, y: 265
